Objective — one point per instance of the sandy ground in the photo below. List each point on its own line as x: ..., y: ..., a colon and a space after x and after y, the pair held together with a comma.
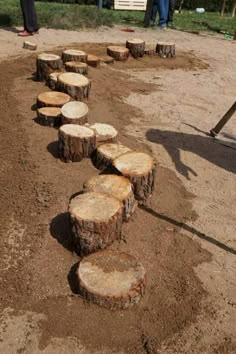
x: 186, y: 235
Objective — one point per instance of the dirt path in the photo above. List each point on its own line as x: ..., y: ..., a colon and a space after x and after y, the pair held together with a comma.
x: 186, y: 236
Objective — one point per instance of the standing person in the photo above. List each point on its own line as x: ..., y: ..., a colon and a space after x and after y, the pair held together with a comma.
x: 171, y: 12
x: 29, y: 17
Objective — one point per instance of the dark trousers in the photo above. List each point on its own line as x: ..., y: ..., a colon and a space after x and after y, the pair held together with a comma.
x: 29, y: 15
x: 171, y: 10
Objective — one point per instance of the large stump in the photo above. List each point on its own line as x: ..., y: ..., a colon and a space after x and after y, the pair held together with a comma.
x: 111, y: 279
x: 74, y: 55
x: 93, y: 60
x: 106, y: 59
x: 52, y: 99
x: 136, y: 47
x: 46, y: 64
x: 76, y: 85
x: 50, y: 116
x: 105, y: 133
x: 118, y: 53
x: 74, y: 113
x: 75, y: 142
x: 165, y: 49
x: 77, y: 67
x: 116, y: 186
x: 140, y: 169
x: 52, y: 80
x: 105, y: 154
x: 96, y: 221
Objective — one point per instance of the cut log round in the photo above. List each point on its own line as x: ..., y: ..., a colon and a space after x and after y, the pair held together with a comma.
x: 52, y: 80
x: 116, y: 186
x: 74, y: 113
x: 105, y: 133
x: 52, y: 99
x: 106, y: 153
x: 150, y: 51
x: 96, y: 221
x: 136, y: 47
x: 111, y: 279
x: 106, y: 59
x: 165, y: 49
x: 118, y: 53
x: 77, y: 67
x: 46, y: 64
x: 76, y: 85
x: 93, y: 60
x: 140, y: 169
x: 75, y: 142
x: 74, y: 55
x: 50, y: 116
x: 29, y: 45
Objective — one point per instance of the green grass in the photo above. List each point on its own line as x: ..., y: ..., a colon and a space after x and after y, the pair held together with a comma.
x: 68, y: 16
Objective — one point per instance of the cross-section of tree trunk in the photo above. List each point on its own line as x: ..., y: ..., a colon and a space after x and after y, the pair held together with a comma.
x: 52, y: 80
x: 150, y: 51
x: 47, y: 64
x: 105, y: 133
x: 136, y: 47
x: 118, y: 53
x: 74, y: 55
x: 29, y: 45
x: 50, y: 116
x: 74, y: 113
x: 93, y: 60
x: 165, y: 49
x: 77, y: 67
x: 106, y: 59
x: 76, y: 85
x: 52, y: 99
x: 105, y: 154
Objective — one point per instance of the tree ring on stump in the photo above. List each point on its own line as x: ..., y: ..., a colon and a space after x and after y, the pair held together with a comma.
x: 117, y: 52
x: 76, y: 85
x: 165, y: 49
x: 74, y: 112
x: 105, y: 133
x: 93, y: 60
x: 107, y: 59
x: 46, y: 64
x: 52, y: 80
x: 139, y: 168
x: 96, y: 221
x: 52, y: 99
x: 136, y: 47
x: 107, y: 153
x: 76, y: 67
x: 74, y: 55
x: 50, y: 116
x: 111, y: 279
x: 116, y: 186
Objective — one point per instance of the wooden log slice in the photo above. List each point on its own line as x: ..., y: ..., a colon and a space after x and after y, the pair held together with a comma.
x: 96, y: 221
x: 52, y: 99
x: 46, y: 64
x: 75, y: 142
x: 106, y: 59
x: 150, y: 51
x: 93, y: 60
x: 105, y: 154
x: 105, y: 133
x: 140, y: 169
x: 74, y: 55
x: 76, y: 85
x: 136, y: 47
x: 29, y: 45
x: 50, y: 116
x: 74, y: 113
x: 118, y: 53
x: 116, y: 186
x: 165, y: 49
x: 111, y: 279
x: 52, y: 80
x: 77, y: 67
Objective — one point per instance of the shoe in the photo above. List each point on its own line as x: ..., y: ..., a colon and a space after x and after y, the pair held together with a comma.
x: 160, y: 28
x: 24, y: 33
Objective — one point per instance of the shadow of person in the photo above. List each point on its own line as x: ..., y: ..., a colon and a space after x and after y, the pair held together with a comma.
x: 175, y: 142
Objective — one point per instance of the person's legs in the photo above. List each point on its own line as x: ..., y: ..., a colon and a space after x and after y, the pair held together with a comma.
x: 154, y: 12
x: 29, y: 16
x: 171, y: 10
x: 163, y: 12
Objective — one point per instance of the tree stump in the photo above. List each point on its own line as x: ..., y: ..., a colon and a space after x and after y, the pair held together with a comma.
x: 140, y: 169
x: 29, y: 45
x: 105, y: 154
x: 150, y: 51
x: 96, y: 221
x: 136, y: 47
x: 74, y: 113
x: 116, y: 186
x: 77, y: 67
x: 52, y: 99
x: 93, y: 60
x: 105, y: 133
x: 106, y: 59
x: 76, y: 85
x: 50, y: 116
x: 75, y: 142
x: 118, y: 53
x: 52, y: 80
x: 112, y: 279
x: 165, y: 49
x: 46, y: 64
x: 74, y: 55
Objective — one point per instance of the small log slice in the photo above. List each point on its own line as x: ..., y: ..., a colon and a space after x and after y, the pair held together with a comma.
x: 136, y: 47
x: 116, y: 186
x: 105, y: 154
x: 76, y: 85
x: 93, y: 60
x: 150, y: 51
x: 112, y: 279
x: 75, y: 142
x: 74, y: 55
x: 96, y: 221
x: 165, y: 49
x: 52, y: 80
x: 74, y: 113
x: 118, y: 53
x: 77, y: 67
x: 106, y: 59
x: 50, y: 116
x: 105, y: 133
x: 52, y: 99
x: 140, y: 169
x: 46, y: 64
x: 29, y: 45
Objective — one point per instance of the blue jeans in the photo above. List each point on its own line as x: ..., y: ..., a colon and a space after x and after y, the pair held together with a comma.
x: 163, y: 12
